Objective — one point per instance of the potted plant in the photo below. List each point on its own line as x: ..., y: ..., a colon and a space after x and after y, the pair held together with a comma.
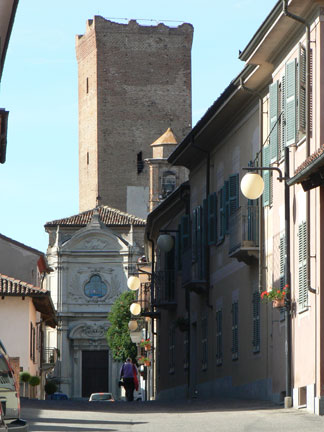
x: 146, y: 344
x: 147, y: 361
x: 276, y: 296
x: 140, y: 360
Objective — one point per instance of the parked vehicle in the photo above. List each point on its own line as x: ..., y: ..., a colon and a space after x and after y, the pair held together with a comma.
x: 101, y: 397
x: 9, y: 395
x: 59, y: 396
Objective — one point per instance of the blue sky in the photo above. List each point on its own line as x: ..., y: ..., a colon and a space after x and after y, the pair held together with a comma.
x: 39, y: 181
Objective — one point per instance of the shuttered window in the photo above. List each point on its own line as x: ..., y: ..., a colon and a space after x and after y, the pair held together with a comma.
x: 302, y: 89
x: 233, y: 193
x: 212, y: 219
x: 266, y: 176
x: 185, y: 232
x: 219, y: 337
x: 283, y: 116
x: 235, y: 341
x: 204, y: 241
x: 221, y: 214
x: 186, y: 350
x: 199, y: 238
x: 291, y: 102
x: 194, y: 235
x: 204, y: 343
x: 256, y: 321
x: 282, y: 254
x: 302, y: 266
x: 273, y: 121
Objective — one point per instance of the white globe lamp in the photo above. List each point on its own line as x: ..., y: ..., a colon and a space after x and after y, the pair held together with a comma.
x: 132, y: 325
x: 133, y: 283
x: 252, y: 185
x: 135, y: 308
x: 165, y: 242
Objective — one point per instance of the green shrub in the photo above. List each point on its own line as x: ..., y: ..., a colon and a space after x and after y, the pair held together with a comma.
x: 50, y: 387
x: 34, y: 381
x: 24, y: 377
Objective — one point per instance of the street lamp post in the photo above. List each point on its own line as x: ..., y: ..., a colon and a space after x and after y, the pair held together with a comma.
x: 252, y: 188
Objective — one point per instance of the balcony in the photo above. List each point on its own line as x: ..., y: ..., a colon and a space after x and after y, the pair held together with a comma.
x: 191, y: 273
x: 164, y: 284
x: 50, y: 356
x: 244, y: 234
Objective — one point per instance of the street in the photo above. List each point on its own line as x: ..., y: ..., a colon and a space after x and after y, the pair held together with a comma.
x: 213, y: 415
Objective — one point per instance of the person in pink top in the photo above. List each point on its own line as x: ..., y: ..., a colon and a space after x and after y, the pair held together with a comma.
x: 128, y: 373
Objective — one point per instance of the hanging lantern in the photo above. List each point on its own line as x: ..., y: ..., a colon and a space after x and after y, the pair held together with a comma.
x: 132, y: 325
x: 165, y: 242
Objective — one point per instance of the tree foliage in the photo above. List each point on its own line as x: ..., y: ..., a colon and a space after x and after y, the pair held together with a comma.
x: 118, y: 337
x: 24, y: 376
x: 34, y: 381
x: 50, y: 387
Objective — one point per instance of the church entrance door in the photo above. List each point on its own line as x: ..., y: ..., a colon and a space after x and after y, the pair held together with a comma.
x: 94, y: 372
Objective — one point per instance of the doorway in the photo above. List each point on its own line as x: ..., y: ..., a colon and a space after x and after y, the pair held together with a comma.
x: 94, y: 372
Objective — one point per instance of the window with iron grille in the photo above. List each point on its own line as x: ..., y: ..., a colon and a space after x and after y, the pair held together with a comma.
x: 204, y: 343
x: 256, y: 321
x: 302, y: 267
x: 219, y: 337
x: 235, y: 341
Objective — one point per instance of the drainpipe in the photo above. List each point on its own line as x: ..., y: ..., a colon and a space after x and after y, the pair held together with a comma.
x: 307, y: 131
x: 261, y: 222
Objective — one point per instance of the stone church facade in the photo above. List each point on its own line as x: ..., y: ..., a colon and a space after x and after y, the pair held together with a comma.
x: 91, y: 254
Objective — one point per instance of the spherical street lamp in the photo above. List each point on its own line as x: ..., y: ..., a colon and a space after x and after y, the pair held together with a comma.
x: 252, y: 185
x: 135, y: 308
x: 133, y: 283
x: 132, y: 325
x: 165, y: 242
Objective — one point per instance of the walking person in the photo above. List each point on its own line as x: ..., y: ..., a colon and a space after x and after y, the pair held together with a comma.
x: 128, y: 373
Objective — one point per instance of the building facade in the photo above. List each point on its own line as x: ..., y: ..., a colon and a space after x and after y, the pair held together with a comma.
x: 270, y: 116
x: 134, y: 82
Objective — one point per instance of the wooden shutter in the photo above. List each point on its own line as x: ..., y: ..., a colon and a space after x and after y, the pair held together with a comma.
x: 227, y: 205
x: 219, y: 337
x: 185, y: 233
x: 256, y: 322
x: 234, y: 330
x: 194, y: 236
x: 282, y: 254
x: 199, y: 239
x: 233, y: 193
x: 283, y: 137
x: 273, y: 121
x: 291, y: 102
x: 212, y: 217
x: 302, y: 265
x: 266, y: 176
x: 221, y: 214
x: 204, y: 241
x: 302, y: 89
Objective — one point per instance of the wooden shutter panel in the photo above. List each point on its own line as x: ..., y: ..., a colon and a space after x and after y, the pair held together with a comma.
x: 283, y: 116
x: 266, y: 176
x: 204, y: 239
x: 233, y: 193
x: 291, y: 102
x: 234, y: 330
x: 185, y: 233
x: 227, y: 205
x: 212, y: 227
x: 302, y: 265
x: 256, y: 322
x: 221, y: 217
x: 273, y: 120
x: 302, y: 89
x: 282, y: 253
x: 194, y: 236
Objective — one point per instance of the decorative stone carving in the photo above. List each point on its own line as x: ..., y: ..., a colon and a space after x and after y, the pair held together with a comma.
x: 89, y: 330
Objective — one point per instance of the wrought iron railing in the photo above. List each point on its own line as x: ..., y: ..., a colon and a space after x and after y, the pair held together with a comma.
x: 244, y: 228
x: 50, y: 355
x: 164, y: 287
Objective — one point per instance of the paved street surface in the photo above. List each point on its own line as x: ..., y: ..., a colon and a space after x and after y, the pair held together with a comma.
x: 203, y: 416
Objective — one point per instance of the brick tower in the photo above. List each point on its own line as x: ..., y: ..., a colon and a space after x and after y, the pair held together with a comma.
x: 134, y: 83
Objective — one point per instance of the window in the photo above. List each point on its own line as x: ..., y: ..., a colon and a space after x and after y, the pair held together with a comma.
x: 235, y: 330
x: 267, y: 177
x: 302, y: 266
x: 204, y: 343
x: 256, y: 321
x: 219, y: 337
x: 140, y: 162
x: 87, y: 85
x: 168, y: 183
x: 282, y: 266
x: 185, y: 232
x: 95, y: 287
x: 32, y: 343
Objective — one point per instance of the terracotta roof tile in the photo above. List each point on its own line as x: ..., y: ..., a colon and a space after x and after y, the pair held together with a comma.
x: 109, y: 216
x: 12, y: 286
x: 310, y: 159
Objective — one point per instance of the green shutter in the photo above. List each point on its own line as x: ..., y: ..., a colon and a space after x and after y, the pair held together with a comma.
x: 266, y: 176
x: 185, y: 233
x: 233, y: 193
x: 302, y: 266
x: 204, y: 239
x: 219, y: 337
x: 302, y: 89
x: 199, y: 239
x: 283, y: 137
x: 226, y: 192
x: 194, y: 235
x: 256, y: 322
x: 212, y: 227
x: 178, y: 256
x: 291, y: 102
x: 273, y: 121
x: 234, y: 330
x: 221, y: 213
x: 282, y: 253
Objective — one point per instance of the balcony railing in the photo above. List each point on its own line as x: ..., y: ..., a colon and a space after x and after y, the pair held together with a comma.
x: 50, y: 356
x: 244, y: 234
x: 164, y: 288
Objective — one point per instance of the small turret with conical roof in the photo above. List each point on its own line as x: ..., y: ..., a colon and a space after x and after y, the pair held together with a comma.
x: 164, y: 178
